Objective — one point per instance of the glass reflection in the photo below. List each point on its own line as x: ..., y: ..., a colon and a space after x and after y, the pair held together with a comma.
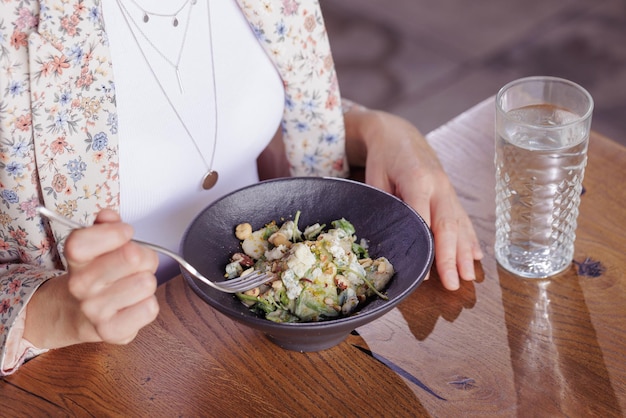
x: 551, y: 379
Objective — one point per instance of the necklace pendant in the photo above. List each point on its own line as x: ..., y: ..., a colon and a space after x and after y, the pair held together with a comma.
x: 209, y: 180
x: 146, y: 18
x: 175, y: 21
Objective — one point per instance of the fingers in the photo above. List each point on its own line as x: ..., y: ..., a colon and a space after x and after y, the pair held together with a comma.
x: 92, y: 276
x: 107, y: 215
x: 119, y: 311
x: 456, y: 244
x: 477, y: 252
x: 123, y: 328
x: 400, y: 161
x: 83, y: 245
x: 465, y: 253
x: 113, y: 280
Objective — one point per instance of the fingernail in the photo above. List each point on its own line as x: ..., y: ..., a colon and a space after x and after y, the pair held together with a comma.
x: 452, y: 279
x: 469, y: 268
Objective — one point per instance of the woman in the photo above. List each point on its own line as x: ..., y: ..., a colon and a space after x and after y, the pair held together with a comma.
x: 196, y: 93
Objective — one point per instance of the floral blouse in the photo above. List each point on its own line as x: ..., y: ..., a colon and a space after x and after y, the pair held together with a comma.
x: 58, y: 125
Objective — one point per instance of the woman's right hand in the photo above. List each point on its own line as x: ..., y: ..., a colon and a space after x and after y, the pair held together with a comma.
x: 106, y: 295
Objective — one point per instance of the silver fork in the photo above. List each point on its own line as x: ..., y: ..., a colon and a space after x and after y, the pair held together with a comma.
x: 240, y: 284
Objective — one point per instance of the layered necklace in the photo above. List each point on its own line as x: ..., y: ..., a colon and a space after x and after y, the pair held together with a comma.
x: 211, y: 176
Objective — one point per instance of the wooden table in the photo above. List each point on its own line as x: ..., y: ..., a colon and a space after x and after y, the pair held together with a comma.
x: 501, y: 346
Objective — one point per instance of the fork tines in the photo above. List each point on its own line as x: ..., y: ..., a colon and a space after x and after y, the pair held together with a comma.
x: 244, y: 283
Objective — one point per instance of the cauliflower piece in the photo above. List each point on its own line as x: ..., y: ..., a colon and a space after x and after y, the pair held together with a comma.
x: 255, y: 245
x: 276, y: 253
x: 379, y: 273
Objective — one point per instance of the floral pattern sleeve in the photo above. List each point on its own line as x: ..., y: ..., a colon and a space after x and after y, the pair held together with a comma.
x: 293, y: 34
x: 19, y: 282
x: 58, y: 142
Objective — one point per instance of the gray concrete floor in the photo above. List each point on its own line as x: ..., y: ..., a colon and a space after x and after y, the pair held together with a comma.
x: 428, y: 60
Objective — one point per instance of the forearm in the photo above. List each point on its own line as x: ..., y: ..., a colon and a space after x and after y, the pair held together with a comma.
x: 356, y: 120
x: 18, y: 284
x: 272, y: 162
x: 368, y: 130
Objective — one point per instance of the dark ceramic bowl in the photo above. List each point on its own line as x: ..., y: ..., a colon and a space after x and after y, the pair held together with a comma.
x: 393, y: 230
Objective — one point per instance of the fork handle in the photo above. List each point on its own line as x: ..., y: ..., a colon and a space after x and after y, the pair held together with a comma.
x: 42, y: 210
x: 75, y: 225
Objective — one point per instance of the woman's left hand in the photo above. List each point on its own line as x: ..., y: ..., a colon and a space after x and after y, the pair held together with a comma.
x: 399, y: 160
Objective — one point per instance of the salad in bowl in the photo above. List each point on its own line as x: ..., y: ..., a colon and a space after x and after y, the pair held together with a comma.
x: 316, y: 274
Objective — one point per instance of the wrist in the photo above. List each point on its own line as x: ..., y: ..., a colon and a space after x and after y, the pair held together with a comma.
x: 363, y: 126
x: 51, y: 320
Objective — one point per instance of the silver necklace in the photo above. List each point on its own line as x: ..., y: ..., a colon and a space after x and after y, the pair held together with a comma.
x: 174, y: 15
x: 210, y: 178
x: 175, y: 64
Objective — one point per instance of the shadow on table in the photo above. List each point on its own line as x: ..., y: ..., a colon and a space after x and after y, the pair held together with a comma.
x: 551, y: 377
x: 433, y: 302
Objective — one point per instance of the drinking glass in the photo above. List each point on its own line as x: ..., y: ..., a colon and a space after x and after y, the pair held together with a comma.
x: 542, y: 134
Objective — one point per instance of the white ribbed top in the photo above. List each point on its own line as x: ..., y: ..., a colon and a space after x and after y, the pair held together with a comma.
x: 160, y: 169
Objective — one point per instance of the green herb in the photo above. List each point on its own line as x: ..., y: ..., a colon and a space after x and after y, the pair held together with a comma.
x: 369, y: 284
x: 269, y: 230
x: 311, y: 232
x: 359, y: 250
x: 297, y: 235
x: 345, y: 225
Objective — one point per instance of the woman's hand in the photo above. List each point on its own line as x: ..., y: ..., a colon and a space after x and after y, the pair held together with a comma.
x: 106, y: 295
x: 398, y: 159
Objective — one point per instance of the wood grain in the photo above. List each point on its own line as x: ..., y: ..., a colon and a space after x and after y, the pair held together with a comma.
x: 500, y: 346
